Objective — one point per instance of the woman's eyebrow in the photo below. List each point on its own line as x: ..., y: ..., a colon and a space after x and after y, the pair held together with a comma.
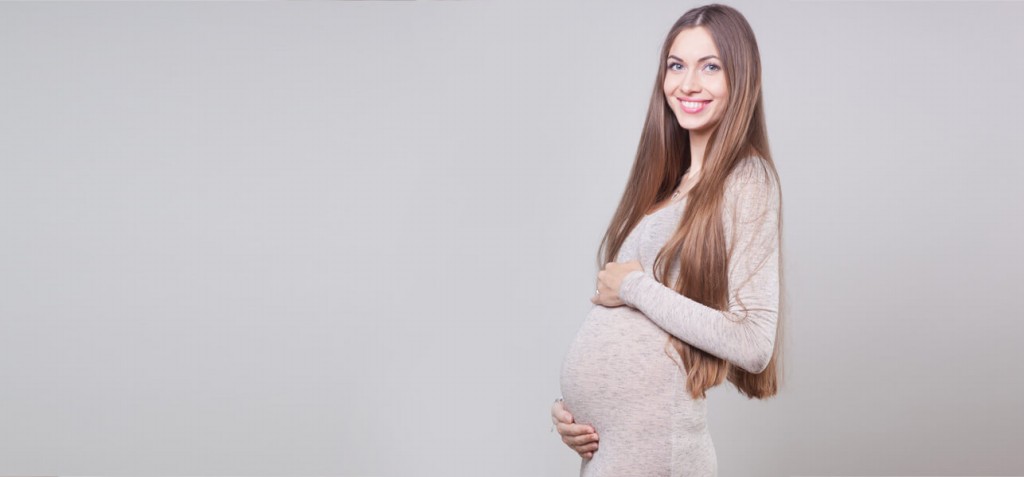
x: 698, y: 61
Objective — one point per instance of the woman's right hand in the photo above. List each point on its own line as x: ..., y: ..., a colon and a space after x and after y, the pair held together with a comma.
x: 579, y: 437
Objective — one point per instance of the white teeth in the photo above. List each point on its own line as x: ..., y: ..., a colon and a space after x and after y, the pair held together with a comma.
x: 692, y: 105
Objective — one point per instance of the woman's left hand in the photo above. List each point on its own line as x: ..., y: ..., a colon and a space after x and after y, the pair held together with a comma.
x: 609, y: 280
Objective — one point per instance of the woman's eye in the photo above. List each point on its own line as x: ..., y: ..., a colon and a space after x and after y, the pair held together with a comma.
x: 714, y: 67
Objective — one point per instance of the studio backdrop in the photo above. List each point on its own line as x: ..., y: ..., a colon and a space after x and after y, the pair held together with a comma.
x: 356, y: 238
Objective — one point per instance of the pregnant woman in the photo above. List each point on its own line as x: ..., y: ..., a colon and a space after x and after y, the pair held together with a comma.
x: 688, y: 296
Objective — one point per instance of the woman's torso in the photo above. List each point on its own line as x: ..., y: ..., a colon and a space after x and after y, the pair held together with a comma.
x: 621, y: 375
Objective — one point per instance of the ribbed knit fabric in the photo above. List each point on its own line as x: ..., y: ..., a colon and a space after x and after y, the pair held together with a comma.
x: 621, y: 376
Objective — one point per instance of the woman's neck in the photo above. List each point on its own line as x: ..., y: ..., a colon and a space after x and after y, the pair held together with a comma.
x: 697, y: 144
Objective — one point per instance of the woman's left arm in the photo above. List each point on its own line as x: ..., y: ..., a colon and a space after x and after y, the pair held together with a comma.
x: 747, y: 340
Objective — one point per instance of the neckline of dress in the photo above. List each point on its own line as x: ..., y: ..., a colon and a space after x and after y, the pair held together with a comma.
x: 670, y: 205
x: 675, y: 202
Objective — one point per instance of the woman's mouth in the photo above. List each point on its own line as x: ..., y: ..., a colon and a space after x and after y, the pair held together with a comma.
x: 693, y: 107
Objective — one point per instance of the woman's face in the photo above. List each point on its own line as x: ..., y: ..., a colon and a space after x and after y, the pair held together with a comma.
x: 695, y: 85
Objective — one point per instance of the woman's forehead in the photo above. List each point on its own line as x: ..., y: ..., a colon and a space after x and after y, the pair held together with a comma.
x: 693, y: 44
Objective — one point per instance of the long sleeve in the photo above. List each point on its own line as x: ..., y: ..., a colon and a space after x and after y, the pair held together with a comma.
x: 745, y: 334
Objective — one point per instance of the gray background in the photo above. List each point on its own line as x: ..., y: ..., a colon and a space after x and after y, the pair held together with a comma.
x: 356, y: 238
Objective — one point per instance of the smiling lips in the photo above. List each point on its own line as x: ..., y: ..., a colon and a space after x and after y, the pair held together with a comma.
x: 693, y: 107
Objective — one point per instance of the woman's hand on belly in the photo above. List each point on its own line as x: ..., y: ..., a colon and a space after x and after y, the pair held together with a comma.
x: 579, y: 437
x: 609, y: 280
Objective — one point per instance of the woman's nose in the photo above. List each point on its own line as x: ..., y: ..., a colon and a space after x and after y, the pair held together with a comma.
x: 689, y: 83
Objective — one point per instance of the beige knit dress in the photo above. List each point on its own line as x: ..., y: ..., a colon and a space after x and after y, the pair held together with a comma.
x: 620, y: 375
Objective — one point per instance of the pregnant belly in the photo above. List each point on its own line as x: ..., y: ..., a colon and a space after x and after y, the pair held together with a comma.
x: 617, y: 368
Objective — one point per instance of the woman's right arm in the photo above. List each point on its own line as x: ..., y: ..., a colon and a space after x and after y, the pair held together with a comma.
x: 579, y: 437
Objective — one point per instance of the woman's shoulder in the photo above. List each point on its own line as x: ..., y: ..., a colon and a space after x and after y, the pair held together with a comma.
x: 752, y: 187
x: 752, y: 169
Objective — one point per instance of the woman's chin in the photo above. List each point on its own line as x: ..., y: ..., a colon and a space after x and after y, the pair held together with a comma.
x: 699, y: 127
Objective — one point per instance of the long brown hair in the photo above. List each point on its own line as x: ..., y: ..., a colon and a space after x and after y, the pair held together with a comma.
x: 698, y: 246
